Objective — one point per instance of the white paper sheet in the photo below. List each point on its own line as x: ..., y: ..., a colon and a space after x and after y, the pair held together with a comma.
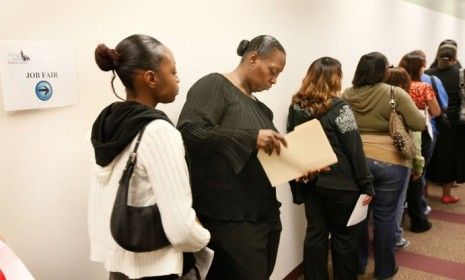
x: 307, y: 149
x: 11, y: 266
x: 203, y: 261
x: 360, y: 212
x: 429, y: 125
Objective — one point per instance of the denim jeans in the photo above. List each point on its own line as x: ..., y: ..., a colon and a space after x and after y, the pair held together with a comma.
x: 427, y: 149
x: 401, y: 207
x: 388, y: 182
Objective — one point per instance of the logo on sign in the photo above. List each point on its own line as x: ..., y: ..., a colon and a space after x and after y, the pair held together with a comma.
x: 18, y: 58
x: 44, y: 90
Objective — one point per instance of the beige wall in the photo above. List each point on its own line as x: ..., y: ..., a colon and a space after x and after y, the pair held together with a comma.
x: 44, y: 169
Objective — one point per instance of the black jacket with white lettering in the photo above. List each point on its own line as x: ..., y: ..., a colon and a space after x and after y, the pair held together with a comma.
x: 351, y: 172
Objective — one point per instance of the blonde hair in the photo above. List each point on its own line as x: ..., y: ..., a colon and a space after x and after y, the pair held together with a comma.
x: 321, y: 84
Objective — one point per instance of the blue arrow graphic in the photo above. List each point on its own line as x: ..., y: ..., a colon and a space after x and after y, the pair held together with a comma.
x: 44, y: 90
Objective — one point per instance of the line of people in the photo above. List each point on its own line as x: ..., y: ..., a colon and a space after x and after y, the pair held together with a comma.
x: 209, y: 161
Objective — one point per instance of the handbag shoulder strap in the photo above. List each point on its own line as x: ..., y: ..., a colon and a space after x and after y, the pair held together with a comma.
x: 132, y: 155
x: 392, y: 102
x: 433, y: 85
x: 131, y: 162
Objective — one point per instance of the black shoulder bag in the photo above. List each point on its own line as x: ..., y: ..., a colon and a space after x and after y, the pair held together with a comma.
x: 442, y: 121
x: 136, y: 229
x: 462, y: 97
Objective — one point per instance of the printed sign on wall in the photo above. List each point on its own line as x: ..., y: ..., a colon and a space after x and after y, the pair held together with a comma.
x: 37, y: 74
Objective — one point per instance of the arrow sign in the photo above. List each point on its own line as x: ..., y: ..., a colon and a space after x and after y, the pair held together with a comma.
x: 44, y: 89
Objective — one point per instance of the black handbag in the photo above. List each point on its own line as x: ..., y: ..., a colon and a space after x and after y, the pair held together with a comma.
x: 136, y: 229
x: 301, y: 190
x: 462, y: 97
x: 442, y: 121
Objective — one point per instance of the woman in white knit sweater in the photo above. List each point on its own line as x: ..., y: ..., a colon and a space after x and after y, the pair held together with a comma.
x: 147, y: 70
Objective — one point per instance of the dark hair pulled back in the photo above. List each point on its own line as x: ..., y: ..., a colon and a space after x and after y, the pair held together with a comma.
x: 136, y: 52
x: 446, y: 56
x: 263, y: 45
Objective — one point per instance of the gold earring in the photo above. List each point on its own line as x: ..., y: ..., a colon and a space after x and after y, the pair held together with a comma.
x: 251, y: 65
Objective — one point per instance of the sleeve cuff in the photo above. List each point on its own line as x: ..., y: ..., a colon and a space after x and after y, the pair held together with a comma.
x: 241, y: 148
x: 369, y: 190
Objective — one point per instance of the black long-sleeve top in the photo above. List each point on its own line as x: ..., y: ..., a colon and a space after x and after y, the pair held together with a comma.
x: 351, y: 171
x: 220, y: 125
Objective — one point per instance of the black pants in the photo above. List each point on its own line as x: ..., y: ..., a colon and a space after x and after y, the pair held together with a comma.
x: 418, y: 219
x: 243, y: 250
x: 328, y: 211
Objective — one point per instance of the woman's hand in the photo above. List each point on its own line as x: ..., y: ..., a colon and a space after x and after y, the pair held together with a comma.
x: 415, y: 175
x: 367, y: 200
x: 310, y: 175
x: 269, y: 141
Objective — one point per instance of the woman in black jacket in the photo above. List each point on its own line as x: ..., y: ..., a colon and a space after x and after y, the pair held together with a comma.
x: 330, y: 198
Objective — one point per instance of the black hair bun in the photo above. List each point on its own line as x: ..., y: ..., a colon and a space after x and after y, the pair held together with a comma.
x: 242, y: 47
x: 105, y: 57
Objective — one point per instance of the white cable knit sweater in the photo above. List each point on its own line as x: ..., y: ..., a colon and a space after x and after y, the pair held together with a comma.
x: 160, y: 176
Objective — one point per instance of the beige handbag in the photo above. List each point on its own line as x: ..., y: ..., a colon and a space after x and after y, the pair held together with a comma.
x: 402, y: 137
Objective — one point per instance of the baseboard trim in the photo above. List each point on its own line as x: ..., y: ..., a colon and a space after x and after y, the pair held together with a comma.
x: 296, y: 273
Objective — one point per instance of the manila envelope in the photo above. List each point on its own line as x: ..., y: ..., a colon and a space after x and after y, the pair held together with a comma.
x: 307, y: 149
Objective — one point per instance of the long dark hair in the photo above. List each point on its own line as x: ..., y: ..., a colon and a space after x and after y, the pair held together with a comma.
x: 136, y: 52
x: 370, y: 70
x: 413, y: 62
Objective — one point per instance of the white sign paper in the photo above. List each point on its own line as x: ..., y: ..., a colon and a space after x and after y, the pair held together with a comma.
x: 37, y: 74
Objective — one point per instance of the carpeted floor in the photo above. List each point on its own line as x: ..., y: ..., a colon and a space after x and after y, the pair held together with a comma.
x: 438, y: 253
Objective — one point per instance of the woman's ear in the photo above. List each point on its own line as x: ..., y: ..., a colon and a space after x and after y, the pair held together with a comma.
x: 253, y: 57
x: 151, y: 78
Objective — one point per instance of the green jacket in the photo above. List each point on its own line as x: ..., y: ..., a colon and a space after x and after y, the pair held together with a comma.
x: 371, y: 108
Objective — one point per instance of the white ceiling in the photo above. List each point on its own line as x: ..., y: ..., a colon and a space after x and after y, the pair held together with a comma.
x: 451, y: 7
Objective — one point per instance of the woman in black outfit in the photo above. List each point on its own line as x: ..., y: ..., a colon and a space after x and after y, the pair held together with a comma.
x: 447, y: 165
x: 331, y: 197
x: 223, y: 125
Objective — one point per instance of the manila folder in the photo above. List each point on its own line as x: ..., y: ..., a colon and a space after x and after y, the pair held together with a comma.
x: 307, y: 149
